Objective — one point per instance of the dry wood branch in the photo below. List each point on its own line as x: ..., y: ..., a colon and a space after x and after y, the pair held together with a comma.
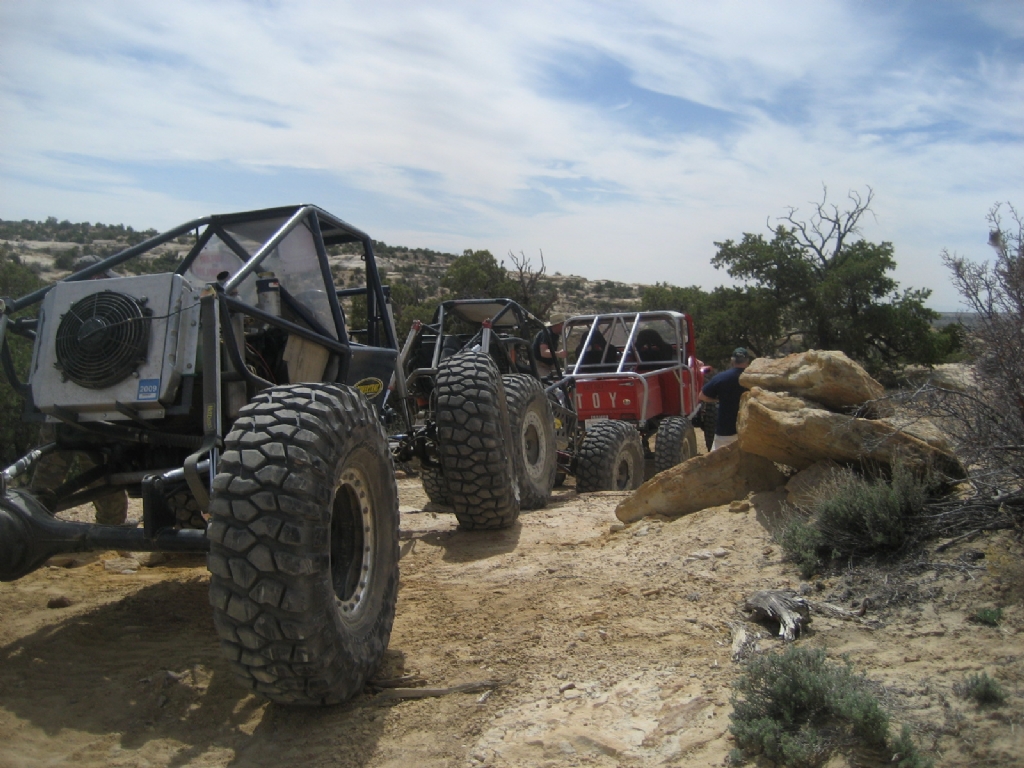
x: 963, y: 518
x: 783, y: 607
x: 835, y: 612
x: 394, y: 694
x: 404, y: 681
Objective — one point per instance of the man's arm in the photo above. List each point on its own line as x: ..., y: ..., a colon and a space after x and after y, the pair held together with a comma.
x: 709, y: 392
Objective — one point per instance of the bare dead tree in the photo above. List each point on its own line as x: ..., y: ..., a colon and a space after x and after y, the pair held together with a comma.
x: 828, y: 228
x: 535, y: 293
x: 988, y: 422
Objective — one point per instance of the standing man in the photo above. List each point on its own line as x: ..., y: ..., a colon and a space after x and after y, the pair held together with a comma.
x: 546, y: 342
x: 725, y: 390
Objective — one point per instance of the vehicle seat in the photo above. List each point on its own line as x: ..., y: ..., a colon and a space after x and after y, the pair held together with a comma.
x: 451, y: 345
x: 651, y: 348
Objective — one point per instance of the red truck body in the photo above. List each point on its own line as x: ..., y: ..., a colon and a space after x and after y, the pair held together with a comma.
x: 635, y: 367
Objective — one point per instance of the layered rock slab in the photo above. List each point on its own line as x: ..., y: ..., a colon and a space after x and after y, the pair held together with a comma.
x: 709, y: 480
x: 794, y: 431
x: 826, y: 377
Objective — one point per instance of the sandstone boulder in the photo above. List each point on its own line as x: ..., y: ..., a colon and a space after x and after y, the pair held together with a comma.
x: 829, y: 378
x: 704, y: 481
x: 953, y: 376
x: 803, y: 486
x: 793, y: 431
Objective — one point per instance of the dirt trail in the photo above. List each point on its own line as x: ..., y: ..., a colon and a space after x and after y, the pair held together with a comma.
x: 615, y: 647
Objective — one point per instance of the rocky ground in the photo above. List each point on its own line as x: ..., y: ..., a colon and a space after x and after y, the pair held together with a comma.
x: 612, y: 645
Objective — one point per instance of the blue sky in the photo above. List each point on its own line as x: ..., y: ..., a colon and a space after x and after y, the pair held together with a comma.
x: 622, y: 139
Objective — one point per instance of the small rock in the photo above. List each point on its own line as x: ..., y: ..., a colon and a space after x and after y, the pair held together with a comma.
x: 58, y: 602
x: 616, y: 527
x: 572, y: 693
x: 739, y: 506
x: 124, y: 565
x: 566, y: 687
x: 720, y: 552
x: 702, y: 555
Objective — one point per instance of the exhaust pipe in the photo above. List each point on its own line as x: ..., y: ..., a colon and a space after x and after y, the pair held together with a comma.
x: 30, y: 535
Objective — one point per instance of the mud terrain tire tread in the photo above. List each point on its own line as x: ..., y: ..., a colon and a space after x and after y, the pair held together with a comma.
x: 186, y: 509
x: 611, y: 458
x: 435, y: 486
x: 675, y: 443
x: 304, y: 544
x: 708, y: 420
x: 474, y: 441
x: 533, y: 439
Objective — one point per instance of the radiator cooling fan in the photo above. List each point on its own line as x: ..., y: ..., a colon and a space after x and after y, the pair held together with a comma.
x: 102, y: 339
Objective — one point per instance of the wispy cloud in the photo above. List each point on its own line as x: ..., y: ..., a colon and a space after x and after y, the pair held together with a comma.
x: 621, y: 138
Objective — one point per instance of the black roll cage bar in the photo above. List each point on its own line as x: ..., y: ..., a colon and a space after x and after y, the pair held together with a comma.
x: 523, y: 317
x: 215, y: 300
x: 326, y: 230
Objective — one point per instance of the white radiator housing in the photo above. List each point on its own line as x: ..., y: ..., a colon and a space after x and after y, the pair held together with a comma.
x: 173, y: 309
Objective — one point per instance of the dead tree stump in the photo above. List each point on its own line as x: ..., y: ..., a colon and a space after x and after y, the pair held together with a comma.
x: 783, y: 607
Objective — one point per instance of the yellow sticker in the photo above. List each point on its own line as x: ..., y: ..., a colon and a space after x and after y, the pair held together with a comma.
x: 558, y: 423
x: 370, y: 387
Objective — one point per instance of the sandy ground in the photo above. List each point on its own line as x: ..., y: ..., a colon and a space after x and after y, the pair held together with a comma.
x: 614, y: 645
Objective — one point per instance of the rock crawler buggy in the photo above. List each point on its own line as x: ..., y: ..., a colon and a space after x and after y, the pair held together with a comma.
x: 232, y: 394
x: 484, y: 430
x: 631, y: 376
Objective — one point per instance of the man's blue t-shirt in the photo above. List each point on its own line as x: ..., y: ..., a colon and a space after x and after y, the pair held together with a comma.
x: 725, y: 388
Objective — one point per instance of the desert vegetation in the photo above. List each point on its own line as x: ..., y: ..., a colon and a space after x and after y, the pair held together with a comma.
x: 797, y: 708
x: 794, y: 707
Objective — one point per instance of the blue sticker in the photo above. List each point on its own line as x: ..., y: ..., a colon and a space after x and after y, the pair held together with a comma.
x: 149, y: 389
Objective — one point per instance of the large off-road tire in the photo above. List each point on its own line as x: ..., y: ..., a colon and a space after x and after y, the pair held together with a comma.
x: 533, y: 439
x: 611, y: 458
x: 434, y: 486
x: 474, y: 442
x: 187, y: 513
x: 675, y: 442
x: 304, y: 544
x: 708, y: 420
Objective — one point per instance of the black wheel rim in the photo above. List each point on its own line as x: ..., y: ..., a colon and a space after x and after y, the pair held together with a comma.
x: 352, y: 540
x: 623, y: 473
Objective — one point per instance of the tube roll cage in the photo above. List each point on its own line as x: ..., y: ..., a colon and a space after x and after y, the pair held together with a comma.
x: 683, y: 326
x: 482, y: 336
x: 54, y: 535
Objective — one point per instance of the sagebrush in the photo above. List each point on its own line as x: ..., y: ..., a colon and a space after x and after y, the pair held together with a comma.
x: 797, y: 708
x: 854, y: 516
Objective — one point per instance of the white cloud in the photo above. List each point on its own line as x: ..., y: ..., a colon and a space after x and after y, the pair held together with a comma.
x: 95, y: 98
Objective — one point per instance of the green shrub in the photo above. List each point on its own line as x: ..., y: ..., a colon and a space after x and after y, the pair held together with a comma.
x: 904, y: 752
x: 983, y: 690
x: 801, y: 541
x: 854, y: 516
x: 797, y: 708
x: 988, y: 616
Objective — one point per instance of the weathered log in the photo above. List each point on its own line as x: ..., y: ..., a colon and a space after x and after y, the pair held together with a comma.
x: 783, y: 607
